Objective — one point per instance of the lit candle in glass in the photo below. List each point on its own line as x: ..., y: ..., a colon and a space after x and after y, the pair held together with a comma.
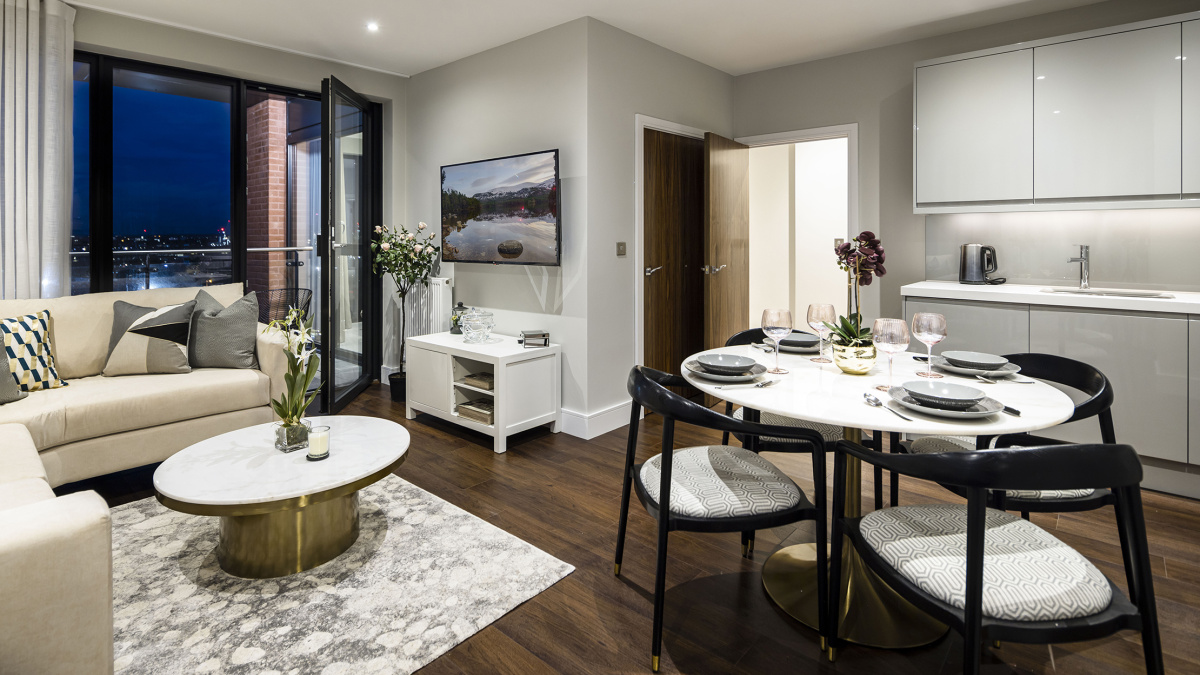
x: 318, y: 443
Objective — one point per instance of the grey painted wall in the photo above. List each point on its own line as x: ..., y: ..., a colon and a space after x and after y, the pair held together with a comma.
x: 874, y: 89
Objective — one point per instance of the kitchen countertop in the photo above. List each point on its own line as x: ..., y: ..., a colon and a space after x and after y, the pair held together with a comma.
x: 1181, y: 303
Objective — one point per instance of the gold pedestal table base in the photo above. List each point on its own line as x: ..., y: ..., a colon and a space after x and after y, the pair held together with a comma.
x: 872, y: 613
x: 285, y: 542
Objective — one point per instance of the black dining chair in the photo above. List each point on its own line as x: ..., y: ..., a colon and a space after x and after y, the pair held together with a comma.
x: 991, y: 575
x: 1098, y: 403
x: 712, y: 488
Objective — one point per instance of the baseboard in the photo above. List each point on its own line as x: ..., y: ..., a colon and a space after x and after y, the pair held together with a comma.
x: 1171, y: 477
x: 590, y: 425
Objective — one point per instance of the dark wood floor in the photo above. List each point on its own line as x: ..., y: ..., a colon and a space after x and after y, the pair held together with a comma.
x: 562, y: 494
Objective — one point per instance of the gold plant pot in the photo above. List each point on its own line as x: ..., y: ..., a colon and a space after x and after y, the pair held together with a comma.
x: 854, y: 360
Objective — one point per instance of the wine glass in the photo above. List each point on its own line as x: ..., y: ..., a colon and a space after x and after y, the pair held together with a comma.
x: 930, y: 329
x: 818, y: 316
x: 891, y: 337
x: 777, y: 324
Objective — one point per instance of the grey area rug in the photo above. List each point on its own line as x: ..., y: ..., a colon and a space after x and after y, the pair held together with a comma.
x: 423, y: 576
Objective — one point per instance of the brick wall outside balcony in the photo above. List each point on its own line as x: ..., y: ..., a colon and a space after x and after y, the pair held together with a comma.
x: 266, y: 197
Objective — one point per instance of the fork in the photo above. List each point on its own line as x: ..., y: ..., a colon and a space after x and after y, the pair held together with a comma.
x: 876, y: 403
x: 981, y: 378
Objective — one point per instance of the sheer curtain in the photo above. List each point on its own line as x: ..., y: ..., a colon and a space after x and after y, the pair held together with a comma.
x: 35, y: 96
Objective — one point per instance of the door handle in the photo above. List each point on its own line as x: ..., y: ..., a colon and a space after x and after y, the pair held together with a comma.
x: 709, y: 269
x: 652, y: 270
x: 339, y: 245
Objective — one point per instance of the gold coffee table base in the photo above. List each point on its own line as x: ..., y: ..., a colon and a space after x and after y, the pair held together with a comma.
x: 872, y: 613
x: 285, y: 542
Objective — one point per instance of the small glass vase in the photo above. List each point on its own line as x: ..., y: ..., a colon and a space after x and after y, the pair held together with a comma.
x: 291, y: 437
x: 856, y: 360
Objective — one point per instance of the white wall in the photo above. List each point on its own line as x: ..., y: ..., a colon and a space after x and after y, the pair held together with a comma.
x: 520, y: 97
x: 771, y: 221
x: 822, y: 210
x: 628, y: 76
x: 874, y: 89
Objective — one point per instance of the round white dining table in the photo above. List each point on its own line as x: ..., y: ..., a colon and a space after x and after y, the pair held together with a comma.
x: 872, y: 613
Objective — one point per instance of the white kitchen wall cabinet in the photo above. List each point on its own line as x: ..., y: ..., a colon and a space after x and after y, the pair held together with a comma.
x: 1107, y: 119
x: 974, y: 129
x: 1145, y: 358
x: 992, y: 327
x: 1191, y: 110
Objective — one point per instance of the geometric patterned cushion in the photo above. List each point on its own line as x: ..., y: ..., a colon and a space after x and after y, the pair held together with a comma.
x: 27, y: 347
x: 721, y: 481
x: 147, y: 340
x: 829, y: 431
x: 1028, y: 575
x: 930, y: 445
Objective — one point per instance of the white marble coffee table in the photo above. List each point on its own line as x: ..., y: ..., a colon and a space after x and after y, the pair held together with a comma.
x: 280, y: 513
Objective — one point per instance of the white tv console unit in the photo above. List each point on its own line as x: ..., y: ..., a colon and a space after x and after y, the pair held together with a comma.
x: 527, y: 390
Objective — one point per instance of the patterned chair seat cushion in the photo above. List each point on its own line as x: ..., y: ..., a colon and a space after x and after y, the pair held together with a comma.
x: 938, y: 444
x: 828, y: 431
x: 721, y: 481
x: 1028, y: 575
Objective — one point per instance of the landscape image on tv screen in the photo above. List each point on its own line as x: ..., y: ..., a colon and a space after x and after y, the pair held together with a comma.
x: 502, y: 210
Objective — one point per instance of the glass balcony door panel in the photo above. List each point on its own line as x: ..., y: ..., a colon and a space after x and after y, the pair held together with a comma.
x: 81, y: 193
x: 347, y: 271
x: 172, y: 182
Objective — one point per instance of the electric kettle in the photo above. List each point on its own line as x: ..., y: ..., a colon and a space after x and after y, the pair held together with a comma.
x: 975, y: 263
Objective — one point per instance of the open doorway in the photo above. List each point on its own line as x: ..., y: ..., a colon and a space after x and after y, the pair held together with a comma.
x: 803, y: 198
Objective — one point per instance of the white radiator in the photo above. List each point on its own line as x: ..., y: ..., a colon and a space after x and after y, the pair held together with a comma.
x: 428, y: 308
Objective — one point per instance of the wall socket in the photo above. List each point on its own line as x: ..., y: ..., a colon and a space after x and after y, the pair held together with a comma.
x: 620, y: 249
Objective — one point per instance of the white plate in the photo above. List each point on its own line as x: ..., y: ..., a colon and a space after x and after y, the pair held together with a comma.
x: 791, y: 349
x: 979, y: 360
x: 699, y: 371
x: 943, y: 393
x: 985, y: 408
x: 725, y: 364
x: 1008, y: 369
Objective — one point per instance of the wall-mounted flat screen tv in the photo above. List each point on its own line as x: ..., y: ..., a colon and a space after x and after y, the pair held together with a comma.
x: 503, y: 211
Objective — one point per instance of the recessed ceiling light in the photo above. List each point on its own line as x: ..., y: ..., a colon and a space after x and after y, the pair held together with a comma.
x: 1041, y: 77
x: 372, y: 26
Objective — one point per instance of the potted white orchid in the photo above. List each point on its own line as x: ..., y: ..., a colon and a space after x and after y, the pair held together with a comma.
x: 408, y: 259
x: 303, y: 363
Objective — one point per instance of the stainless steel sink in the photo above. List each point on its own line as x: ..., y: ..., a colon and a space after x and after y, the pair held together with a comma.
x: 1113, y: 292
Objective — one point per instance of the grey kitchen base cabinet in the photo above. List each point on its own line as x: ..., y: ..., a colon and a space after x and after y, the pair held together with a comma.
x: 1194, y: 391
x: 1145, y: 358
x: 992, y: 327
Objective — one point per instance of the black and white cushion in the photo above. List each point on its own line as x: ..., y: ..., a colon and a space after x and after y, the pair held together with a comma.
x: 931, y: 445
x: 1028, y: 575
x: 721, y: 481
x: 829, y: 432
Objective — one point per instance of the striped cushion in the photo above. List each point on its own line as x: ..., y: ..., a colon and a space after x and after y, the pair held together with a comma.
x: 29, y: 353
x: 1028, y: 575
x: 721, y: 481
x: 830, y: 432
x: 938, y: 444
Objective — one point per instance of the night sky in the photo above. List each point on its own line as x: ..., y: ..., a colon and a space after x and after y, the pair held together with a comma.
x: 171, y: 163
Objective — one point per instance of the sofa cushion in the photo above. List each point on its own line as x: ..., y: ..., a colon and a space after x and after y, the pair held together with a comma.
x: 99, y: 406
x: 148, y: 340
x: 28, y: 349
x: 9, y: 389
x: 79, y: 323
x: 224, y: 337
x: 25, y: 491
x: 18, y: 455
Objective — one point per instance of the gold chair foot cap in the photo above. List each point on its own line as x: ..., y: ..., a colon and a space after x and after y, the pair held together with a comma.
x: 654, y: 663
x: 832, y: 654
x: 996, y: 644
x: 617, y: 569
x: 745, y: 549
x: 824, y: 643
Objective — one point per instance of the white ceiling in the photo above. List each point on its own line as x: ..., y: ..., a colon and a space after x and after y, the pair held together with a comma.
x: 736, y: 36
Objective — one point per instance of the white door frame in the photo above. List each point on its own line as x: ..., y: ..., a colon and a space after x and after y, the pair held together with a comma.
x: 640, y: 124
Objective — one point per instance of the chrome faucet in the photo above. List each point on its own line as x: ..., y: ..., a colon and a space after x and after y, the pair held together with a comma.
x: 1084, y: 261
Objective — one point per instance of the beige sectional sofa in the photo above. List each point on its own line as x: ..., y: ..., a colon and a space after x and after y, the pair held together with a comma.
x: 56, y: 562
x: 98, y: 425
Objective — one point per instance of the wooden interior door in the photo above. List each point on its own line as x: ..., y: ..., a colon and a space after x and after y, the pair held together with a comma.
x: 726, y: 239
x: 673, y: 242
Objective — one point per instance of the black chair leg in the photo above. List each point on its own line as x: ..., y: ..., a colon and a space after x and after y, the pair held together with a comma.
x: 877, y: 446
x: 1132, y: 520
x: 626, y: 487
x: 837, y: 541
x: 1126, y: 552
x: 728, y: 412
x: 1025, y: 515
x: 660, y: 591
x: 748, y: 545
x: 823, y: 624
x: 894, y: 447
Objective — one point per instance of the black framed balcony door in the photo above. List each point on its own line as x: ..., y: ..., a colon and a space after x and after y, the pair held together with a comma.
x: 350, y: 183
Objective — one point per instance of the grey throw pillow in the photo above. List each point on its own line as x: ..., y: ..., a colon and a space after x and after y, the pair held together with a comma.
x: 9, y: 389
x: 224, y: 337
x: 148, y: 340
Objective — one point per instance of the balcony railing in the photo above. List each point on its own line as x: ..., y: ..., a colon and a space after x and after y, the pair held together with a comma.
x: 161, y: 268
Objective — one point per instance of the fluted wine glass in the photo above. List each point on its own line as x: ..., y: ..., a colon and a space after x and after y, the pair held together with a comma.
x: 930, y: 329
x: 818, y: 316
x: 890, y: 337
x: 777, y: 324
